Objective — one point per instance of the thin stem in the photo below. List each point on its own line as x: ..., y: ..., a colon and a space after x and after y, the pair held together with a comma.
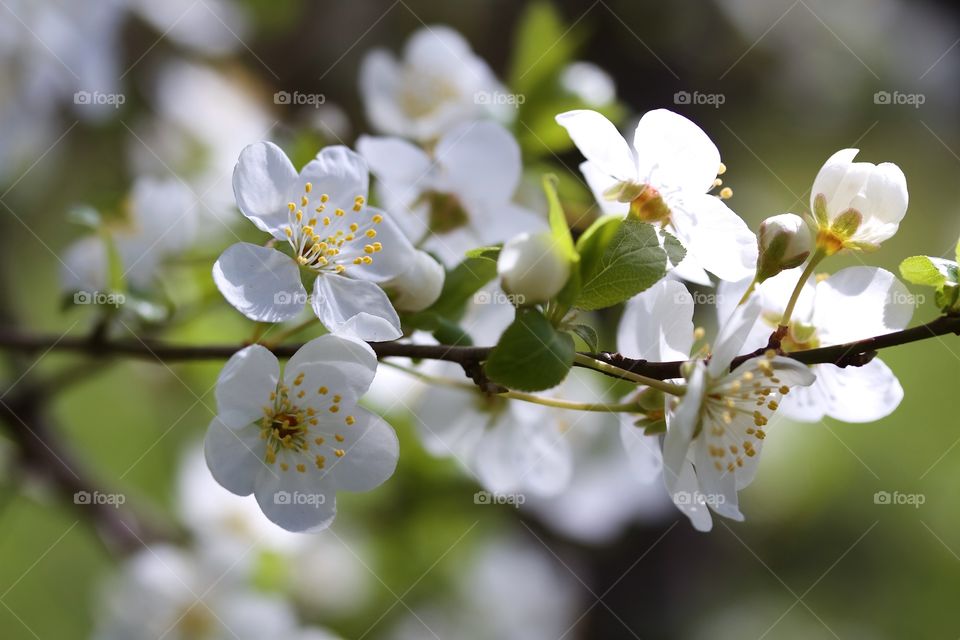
x: 605, y: 367
x: 630, y: 407
x: 746, y: 294
x: 815, y: 259
x: 426, y: 377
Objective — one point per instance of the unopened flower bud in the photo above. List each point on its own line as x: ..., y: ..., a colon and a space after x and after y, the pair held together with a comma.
x: 532, y: 267
x: 785, y: 241
x: 419, y: 286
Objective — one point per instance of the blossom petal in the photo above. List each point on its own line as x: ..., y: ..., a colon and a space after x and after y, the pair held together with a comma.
x: 850, y: 394
x: 657, y: 324
x: 294, y: 500
x: 718, y: 486
x: 262, y: 284
x: 234, y: 456
x: 355, y: 308
x: 262, y: 182
x: 345, y: 367
x: 717, y: 237
x: 379, y: 79
x: 481, y: 161
x: 600, y: 143
x: 517, y: 455
x: 643, y: 451
x: 337, y: 172
x: 685, y: 489
x: 370, y: 452
x: 673, y: 152
x: 681, y: 425
x: 401, y: 167
x: 391, y: 261
x: 732, y: 336
x: 859, y: 302
x: 245, y: 385
x: 599, y: 182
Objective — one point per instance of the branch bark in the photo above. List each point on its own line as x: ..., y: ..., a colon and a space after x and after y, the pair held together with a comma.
x: 855, y: 353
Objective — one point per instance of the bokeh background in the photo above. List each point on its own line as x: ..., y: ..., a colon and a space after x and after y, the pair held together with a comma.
x: 791, y: 82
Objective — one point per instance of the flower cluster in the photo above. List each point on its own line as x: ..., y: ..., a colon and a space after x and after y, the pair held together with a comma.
x: 469, y: 258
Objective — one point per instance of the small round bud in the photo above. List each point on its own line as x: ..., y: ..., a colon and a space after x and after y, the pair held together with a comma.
x: 785, y: 241
x: 532, y: 267
x: 419, y: 286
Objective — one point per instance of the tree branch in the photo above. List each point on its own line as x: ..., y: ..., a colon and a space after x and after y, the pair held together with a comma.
x: 855, y: 353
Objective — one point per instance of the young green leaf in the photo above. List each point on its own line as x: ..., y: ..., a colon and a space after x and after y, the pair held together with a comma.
x: 928, y: 271
x: 619, y: 262
x: 531, y: 355
x: 588, y: 334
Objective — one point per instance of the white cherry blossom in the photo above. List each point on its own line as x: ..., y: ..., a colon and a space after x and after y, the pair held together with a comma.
x: 857, y: 205
x: 852, y: 304
x: 438, y: 84
x: 294, y: 439
x: 664, y: 177
x: 346, y: 245
x: 458, y: 196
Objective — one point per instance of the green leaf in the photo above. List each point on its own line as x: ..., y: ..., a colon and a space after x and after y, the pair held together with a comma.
x: 623, y: 261
x: 676, y: 252
x: 531, y: 355
x: 588, y: 334
x: 461, y: 283
x: 490, y: 253
x: 558, y: 220
x: 449, y: 332
x: 929, y: 271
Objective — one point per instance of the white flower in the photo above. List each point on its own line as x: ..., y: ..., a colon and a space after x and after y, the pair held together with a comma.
x: 532, y: 267
x: 715, y: 432
x: 664, y: 179
x: 588, y: 83
x: 857, y: 205
x: 295, y: 439
x: 439, y: 83
x: 784, y: 242
x: 160, y: 222
x: 457, y: 197
x: 852, y: 304
x: 419, y: 285
x: 165, y: 592
x: 333, y: 234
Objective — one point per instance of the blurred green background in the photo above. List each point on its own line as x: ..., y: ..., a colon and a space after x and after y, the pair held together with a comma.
x: 816, y: 558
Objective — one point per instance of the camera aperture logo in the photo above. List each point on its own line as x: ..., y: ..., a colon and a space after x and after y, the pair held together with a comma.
x: 85, y: 498
x: 912, y: 499
x: 513, y: 499
x: 299, y: 498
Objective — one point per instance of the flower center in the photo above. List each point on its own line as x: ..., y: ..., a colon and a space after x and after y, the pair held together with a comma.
x: 293, y: 430
x: 737, y: 408
x: 325, y: 240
